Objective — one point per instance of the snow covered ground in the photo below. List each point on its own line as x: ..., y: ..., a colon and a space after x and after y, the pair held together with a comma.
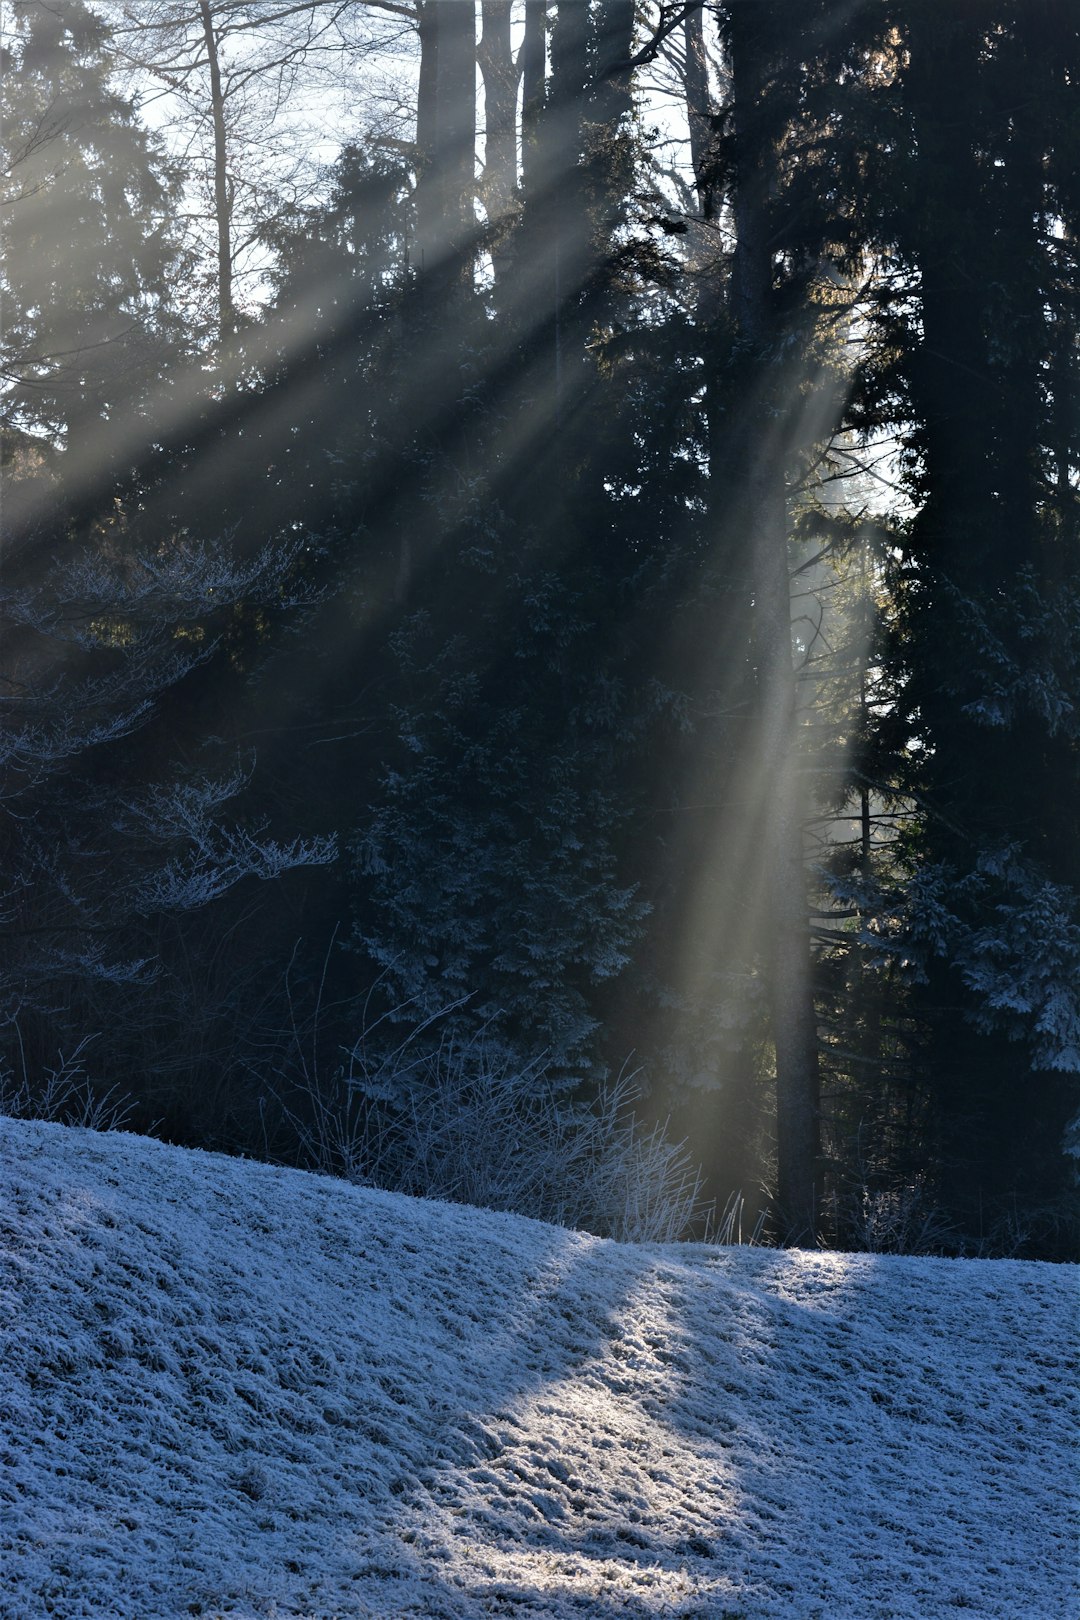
x: 228, y: 1389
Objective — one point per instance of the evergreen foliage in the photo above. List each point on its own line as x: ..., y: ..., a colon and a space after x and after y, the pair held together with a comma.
x: 665, y: 581
x: 90, y: 261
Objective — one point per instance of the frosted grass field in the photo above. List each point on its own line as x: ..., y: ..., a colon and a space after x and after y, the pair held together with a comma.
x: 229, y: 1389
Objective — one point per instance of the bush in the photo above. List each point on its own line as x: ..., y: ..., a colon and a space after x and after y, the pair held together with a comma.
x: 64, y: 1093
x: 460, y: 1122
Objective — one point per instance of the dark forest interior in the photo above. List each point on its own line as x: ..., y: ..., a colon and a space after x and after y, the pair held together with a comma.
x: 540, y: 602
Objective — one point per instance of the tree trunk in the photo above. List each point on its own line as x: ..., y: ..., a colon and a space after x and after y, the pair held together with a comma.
x: 222, y: 201
x: 700, y: 112
x: 699, y: 108
x: 446, y: 144
x: 426, y: 106
x: 564, y: 202
x: 613, y: 26
x: 609, y: 151
x: 499, y: 74
x: 763, y: 508
x: 951, y: 381
x: 533, y: 64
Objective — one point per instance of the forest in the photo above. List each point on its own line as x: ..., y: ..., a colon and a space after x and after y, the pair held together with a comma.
x: 540, y: 602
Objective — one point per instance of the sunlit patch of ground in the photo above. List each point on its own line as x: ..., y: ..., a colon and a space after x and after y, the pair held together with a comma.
x: 227, y: 1389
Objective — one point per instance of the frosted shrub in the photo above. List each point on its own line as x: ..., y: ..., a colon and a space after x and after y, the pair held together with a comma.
x: 66, y: 1094
x: 463, y: 1123
x: 873, y: 1217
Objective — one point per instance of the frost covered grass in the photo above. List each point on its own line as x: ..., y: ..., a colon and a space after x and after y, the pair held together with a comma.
x: 232, y: 1389
x: 463, y: 1125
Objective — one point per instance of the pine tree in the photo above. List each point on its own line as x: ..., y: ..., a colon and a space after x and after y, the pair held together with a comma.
x: 89, y: 261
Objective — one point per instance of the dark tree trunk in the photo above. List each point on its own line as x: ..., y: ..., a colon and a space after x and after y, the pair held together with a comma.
x: 1065, y: 441
x: 499, y: 74
x: 533, y: 64
x: 613, y: 24
x: 446, y: 140
x: 563, y: 206
x: 951, y: 380
x: 222, y: 200
x: 699, y: 108
x: 426, y: 92
x: 762, y: 507
x: 609, y: 149
x: 700, y: 115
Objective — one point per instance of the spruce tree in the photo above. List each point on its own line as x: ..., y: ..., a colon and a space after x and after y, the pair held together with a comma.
x: 90, y: 264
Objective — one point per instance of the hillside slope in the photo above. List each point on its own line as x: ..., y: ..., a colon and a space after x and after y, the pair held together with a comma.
x: 229, y: 1389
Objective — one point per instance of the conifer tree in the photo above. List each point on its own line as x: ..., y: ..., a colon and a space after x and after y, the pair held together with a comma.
x: 108, y: 606
x: 90, y: 260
